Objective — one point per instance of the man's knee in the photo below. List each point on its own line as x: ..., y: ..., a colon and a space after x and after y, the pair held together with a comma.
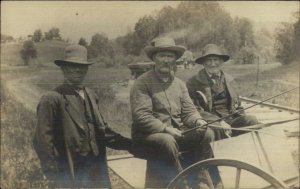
x: 247, y: 120
x: 250, y: 119
x: 244, y: 120
x: 209, y: 135
x: 165, y: 143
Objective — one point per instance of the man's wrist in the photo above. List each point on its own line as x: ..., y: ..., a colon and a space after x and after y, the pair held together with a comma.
x: 196, y: 122
x: 164, y: 129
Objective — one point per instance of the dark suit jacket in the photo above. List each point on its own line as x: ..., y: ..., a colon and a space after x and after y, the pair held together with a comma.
x: 200, y: 82
x: 60, y: 126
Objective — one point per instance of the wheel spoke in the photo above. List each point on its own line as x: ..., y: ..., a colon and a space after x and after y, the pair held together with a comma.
x: 209, y: 180
x: 237, y: 178
x: 239, y: 165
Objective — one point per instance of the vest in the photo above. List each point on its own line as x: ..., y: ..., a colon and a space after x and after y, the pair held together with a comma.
x: 219, y: 96
x: 89, y: 143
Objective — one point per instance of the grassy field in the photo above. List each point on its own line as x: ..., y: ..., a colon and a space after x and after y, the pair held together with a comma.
x: 18, y: 123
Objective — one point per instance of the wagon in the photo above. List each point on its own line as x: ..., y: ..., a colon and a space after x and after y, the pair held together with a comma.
x: 258, y: 159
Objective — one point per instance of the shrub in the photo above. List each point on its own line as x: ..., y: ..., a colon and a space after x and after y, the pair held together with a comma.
x: 29, y: 51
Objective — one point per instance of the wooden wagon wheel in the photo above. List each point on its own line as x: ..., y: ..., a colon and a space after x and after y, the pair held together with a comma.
x: 239, y: 165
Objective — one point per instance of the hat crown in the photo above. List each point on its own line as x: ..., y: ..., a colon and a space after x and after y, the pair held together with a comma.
x: 212, y: 49
x: 75, y: 53
x: 163, y: 42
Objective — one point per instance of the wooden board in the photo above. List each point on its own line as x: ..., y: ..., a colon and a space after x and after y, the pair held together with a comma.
x: 246, y: 147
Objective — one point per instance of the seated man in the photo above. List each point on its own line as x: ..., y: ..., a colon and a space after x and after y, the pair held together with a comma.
x: 213, y: 90
x: 161, y: 110
x: 71, y: 134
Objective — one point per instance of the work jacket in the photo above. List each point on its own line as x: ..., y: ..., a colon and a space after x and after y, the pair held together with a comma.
x: 156, y: 104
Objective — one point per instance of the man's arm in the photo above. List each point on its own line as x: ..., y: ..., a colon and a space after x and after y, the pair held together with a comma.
x: 191, y: 86
x: 43, y: 140
x: 116, y: 141
x: 189, y: 113
x: 141, y: 107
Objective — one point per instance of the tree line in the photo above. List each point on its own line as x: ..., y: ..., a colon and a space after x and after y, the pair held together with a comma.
x: 192, y: 24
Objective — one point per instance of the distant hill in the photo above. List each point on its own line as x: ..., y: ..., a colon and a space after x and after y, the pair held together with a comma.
x: 47, y: 52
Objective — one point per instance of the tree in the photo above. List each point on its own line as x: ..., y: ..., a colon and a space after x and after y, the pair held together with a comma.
x: 6, y: 38
x: 82, y: 42
x: 284, y: 43
x: 132, y: 44
x: 48, y: 36
x: 146, y: 29
x: 296, y: 37
x: 37, y: 35
x: 100, y: 45
x: 245, y: 30
x: 53, y: 33
x: 29, y: 51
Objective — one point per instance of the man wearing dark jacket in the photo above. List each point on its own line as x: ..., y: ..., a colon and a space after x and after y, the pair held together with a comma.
x: 71, y: 134
x: 212, y: 90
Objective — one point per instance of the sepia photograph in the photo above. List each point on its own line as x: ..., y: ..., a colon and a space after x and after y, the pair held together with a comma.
x: 150, y: 94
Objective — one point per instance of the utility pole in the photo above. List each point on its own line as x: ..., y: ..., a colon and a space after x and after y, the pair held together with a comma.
x: 257, y: 74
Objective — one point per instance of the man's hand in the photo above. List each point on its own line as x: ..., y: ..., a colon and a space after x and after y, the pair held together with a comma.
x: 174, y: 132
x: 200, y: 123
x: 226, y: 125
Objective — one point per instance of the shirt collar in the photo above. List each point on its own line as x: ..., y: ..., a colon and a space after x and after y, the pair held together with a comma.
x: 164, y: 80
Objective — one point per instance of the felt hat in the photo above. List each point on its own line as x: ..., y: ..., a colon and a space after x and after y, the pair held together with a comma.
x: 74, y: 54
x: 164, y: 44
x: 212, y: 49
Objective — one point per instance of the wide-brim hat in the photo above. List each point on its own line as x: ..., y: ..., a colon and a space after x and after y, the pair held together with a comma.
x: 74, y: 54
x: 212, y: 49
x: 164, y: 44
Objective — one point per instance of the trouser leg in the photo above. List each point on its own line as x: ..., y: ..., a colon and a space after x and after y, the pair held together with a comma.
x: 219, y: 134
x: 163, y: 161
x: 91, y: 172
x: 200, y: 141
x: 242, y: 121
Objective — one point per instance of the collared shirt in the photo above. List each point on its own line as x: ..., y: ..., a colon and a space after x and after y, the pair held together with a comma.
x: 156, y: 104
x: 80, y: 92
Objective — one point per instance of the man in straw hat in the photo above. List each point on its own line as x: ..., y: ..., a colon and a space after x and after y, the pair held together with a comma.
x: 213, y: 91
x: 71, y: 134
x: 161, y: 110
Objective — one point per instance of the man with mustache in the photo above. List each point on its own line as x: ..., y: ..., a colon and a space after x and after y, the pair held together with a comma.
x: 161, y: 110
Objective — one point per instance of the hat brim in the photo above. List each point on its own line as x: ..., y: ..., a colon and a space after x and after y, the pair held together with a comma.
x: 200, y: 60
x: 65, y: 62
x: 150, y: 51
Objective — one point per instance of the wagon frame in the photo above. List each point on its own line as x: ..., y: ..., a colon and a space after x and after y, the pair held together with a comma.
x: 239, y: 165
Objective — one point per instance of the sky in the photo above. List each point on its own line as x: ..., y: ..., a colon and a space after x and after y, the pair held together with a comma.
x: 114, y: 18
